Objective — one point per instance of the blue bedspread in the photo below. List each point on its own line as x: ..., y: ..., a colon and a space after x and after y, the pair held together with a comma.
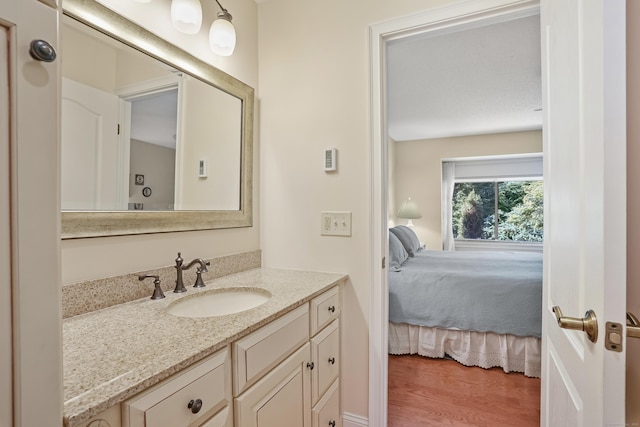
x: 481, y: 291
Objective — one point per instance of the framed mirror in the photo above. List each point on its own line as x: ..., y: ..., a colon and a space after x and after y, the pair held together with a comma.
x: 153, y: 139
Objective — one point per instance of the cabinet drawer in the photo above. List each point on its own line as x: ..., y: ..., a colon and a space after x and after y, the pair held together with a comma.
x: 167, y: 403
x: 325, y: 354
x: 324, y: 308
x: 259, y: 352
x: 327, y: 412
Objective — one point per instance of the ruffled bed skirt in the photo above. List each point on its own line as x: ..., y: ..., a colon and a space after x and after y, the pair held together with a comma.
x: 483, y: 349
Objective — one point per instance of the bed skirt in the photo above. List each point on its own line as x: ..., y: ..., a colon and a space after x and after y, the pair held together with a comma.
x: 483, y: 349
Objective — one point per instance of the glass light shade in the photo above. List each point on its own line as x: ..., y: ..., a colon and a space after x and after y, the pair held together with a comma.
x: 186, y: 16
x: 222, y: 37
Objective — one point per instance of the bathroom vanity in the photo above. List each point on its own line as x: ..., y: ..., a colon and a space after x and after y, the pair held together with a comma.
x: 135, y: 364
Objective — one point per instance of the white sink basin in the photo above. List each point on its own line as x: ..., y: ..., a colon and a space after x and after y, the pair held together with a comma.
x: 219, y: 302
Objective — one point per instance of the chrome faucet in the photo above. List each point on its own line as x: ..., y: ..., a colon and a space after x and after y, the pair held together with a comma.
x: 201, y: 269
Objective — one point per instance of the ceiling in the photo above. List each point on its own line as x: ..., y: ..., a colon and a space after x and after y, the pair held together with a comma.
x: 154, y: 118
x: 468, y: 82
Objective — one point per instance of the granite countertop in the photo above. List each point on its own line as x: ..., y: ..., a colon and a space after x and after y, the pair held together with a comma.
x: 112, y: 354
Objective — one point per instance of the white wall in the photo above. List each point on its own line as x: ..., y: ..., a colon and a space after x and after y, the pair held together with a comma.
x: 418, y: 171
x: 314, y: 93
x: 86, y: 259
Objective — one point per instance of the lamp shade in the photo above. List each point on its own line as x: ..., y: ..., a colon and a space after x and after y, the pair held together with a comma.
x: 222, y: 35
x: 409, y: 210
x: 186, y: 16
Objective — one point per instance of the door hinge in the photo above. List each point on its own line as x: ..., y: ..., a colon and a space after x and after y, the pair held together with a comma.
x: 384, y: 262
x: 118, y: 128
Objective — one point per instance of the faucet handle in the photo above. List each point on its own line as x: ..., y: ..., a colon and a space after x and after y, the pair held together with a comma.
x: 157, y: 292
x: 203, y: 268
x: 199, y: 281
x: 199, y: 270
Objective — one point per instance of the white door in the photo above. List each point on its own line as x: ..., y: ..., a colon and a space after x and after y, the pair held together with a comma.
x: 583, y: 54
x: 90, y: 152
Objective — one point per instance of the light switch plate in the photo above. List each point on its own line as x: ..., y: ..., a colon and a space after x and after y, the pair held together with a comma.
x: 335, y: 223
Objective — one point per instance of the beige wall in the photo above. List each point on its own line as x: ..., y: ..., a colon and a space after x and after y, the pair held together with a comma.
x: 314, y: 94
x: 633, y: 206
x: 213, y: 128
x: 418, y: 171
x: 86, y: 259
x: 100, y: 65
x: 85, y: 61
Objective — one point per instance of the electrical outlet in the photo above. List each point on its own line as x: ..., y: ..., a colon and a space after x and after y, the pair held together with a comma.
x: 335, y: 223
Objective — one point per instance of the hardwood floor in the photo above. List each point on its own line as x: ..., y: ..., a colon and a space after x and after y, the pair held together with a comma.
x: 442, y: 392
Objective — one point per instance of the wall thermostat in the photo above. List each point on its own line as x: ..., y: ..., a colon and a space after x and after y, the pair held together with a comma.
x: 202, y: 168
x: 329, y: 159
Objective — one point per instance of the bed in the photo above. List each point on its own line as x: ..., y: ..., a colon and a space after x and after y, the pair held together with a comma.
x: 480, y: 308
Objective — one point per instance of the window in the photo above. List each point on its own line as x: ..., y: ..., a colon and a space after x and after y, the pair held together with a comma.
x: 490, y: 202
x: 508, y: 210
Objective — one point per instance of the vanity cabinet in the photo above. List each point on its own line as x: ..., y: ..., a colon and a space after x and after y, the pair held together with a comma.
x: 197, y: 396
x: 287, y: 372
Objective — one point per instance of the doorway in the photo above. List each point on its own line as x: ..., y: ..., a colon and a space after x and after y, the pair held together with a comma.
x: 439, y: 20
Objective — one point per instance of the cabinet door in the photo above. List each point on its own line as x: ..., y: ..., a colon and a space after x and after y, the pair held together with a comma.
x: 280, y: 398
x: 108, y: 418
x: 327, y: 412
x: 30, y: 327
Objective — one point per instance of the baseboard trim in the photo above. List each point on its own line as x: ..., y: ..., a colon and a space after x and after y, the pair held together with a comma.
x: 351, y: 420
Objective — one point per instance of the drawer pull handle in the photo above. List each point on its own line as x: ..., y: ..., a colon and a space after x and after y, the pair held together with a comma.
x: 310, y: 365
x: 332, y: 308
x: 332, y: 360
x: 195, y: 405
x: 332, y: 423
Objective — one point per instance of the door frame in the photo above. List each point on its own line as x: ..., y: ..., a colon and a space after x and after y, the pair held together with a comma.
x: 129, y: 94
x: 469, y: 14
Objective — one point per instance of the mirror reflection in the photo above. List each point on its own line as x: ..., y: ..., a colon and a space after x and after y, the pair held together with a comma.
x: 138, y: 134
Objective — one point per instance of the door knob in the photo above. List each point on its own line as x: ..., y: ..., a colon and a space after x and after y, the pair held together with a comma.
x: 633, y: 326
x: 588, y: 324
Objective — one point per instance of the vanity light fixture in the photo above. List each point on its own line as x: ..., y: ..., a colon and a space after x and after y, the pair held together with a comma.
x: 409, y: 210
x: 222, y: 35
x: 186, y: 16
